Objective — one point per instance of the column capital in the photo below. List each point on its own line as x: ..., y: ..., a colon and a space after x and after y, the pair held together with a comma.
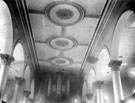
x: 115, y: 65
x: 19, y: 80
x: 89, y: 96
x: 31, y: 100
x: 98, y: 84
x: 6, y: 59
x: 26, y: 93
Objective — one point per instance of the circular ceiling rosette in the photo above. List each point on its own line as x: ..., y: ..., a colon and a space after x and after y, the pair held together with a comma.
x: 62, y: 43
x: 60, y: 61
x: 64, y: 13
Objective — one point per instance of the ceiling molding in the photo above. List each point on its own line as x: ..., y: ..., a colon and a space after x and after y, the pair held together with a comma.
x: 45, y: 42
x: 108, y: 8
x: 60, y: 61
x: 62, y: 43
x: 96, y: 16
x: 73, y: 62
x: 64, y: 13
x: 23, y: 13
x: 33, y: 11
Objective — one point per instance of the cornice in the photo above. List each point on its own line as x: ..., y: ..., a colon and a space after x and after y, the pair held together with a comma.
x: 106, y: 13
x: 23, y: 14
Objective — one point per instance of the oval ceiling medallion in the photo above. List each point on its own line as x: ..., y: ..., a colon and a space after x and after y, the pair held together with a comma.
x: 60, y: 61
x: 62, y: 43
x: 63, y: 13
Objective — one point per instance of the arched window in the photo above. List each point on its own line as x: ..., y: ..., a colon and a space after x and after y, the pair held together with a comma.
x: 6, y: 29
x: 17, y: 67
x: 103, y: 71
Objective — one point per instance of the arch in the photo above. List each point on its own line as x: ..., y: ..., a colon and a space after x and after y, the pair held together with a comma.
x: 6, y: 29
x: 27, y: 77
x: 17, y: 66
x: 90, y: 79
x: 117, y: 32
x: 32, y: 88
x: 103, y: 71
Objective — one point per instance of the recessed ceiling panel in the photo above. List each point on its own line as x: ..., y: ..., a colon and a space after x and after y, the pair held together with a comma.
x: 92, y: 6
x: 61, y: 42
x: 64, y: 13
x: 63, y: 30
x: 43, y: 28
x: 83, y: 31
x: 60, y: 61
x: 44, y: 52
x: 77, y: 54
x: 38, y: 4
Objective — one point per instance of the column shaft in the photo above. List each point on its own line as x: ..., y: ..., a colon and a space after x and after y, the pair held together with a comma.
x: 59, y: 84
x: 26, y: 94
x: 100, y: 96
x: 68, y: 87
x: 117, y: 86
x: 5, y: 63
x: 49, y: 87
x: 89, y: 98
x: 19, y: 82
x: 3, y: 77
x: 99, y: 91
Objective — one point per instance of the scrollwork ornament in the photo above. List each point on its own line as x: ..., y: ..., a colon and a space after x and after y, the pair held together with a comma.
x: 115, y: 65
x: 6, y: 59
x: 19, y: 80
x: 89, y: 96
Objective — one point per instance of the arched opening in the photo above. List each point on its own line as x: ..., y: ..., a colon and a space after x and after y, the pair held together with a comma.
x: 126, y: 50
x: 6, y: 35
x: 91, y: 79
x: 27, y: 77
x: 17, y: 67
x: 103, y: 72
x: 32, y: 89
x: 6, y: 29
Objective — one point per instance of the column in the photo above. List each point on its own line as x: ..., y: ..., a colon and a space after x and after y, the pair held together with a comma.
x: 5, y: 63
x: 68, y: 87
x: 99, y: 85
x: 26, y: 94
x: 49, y: 86
x: 89, y: 98
x: 19, y: 81
x: 117, y: 86
x: 63, y: 84
x: 59, y: 84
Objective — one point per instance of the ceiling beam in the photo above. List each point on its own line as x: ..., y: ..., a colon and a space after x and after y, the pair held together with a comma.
x: 79, y: 44
x: 97, y: 36
x: 33, y: 11
x: 75, y: 62
x: 96, y: 16
x: 25, y: 20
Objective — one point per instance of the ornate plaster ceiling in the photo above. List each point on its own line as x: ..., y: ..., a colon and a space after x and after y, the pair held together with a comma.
x: 63, y: 30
